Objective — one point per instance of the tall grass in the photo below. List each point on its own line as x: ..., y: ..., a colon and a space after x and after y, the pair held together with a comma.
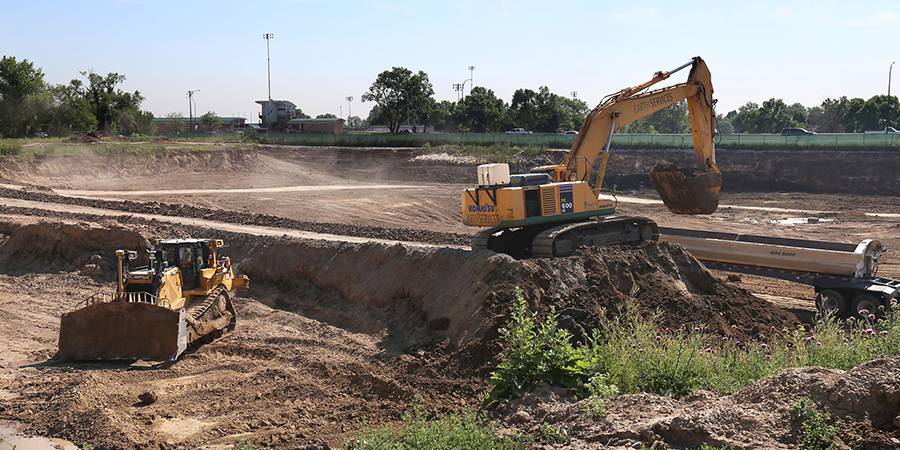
x: 635, y: 354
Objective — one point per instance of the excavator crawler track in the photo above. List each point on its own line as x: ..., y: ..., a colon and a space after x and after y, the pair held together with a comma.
x: 564, y: 239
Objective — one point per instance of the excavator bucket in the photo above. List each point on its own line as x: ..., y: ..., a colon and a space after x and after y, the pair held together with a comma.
x: 687, y: 191
x: 122, y: 331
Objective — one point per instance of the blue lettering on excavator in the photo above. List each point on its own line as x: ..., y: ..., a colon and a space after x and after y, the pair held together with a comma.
x: 481, y: 208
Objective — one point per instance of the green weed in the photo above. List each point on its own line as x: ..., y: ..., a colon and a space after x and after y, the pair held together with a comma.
x: 550, y: 434
x: 533, y: 352
x: 461, y: 430
x: 815, y: 432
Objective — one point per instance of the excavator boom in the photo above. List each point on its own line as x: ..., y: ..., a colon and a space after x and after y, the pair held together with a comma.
x: 690, y: 191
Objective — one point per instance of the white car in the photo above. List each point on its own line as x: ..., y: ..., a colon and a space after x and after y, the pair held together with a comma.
x: 518, y: 131
x: 571, y: 132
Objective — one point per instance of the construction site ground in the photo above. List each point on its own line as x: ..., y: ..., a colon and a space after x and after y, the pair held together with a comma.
x: 366, y: 301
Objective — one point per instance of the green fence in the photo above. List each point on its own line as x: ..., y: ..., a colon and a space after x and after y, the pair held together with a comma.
x: 749, y: 141
x: 736, y: 141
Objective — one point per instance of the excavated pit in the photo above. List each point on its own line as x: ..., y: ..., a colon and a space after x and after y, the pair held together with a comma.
x: 417, y: 298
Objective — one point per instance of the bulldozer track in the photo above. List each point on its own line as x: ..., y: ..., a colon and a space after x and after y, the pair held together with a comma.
x: 197, y: 311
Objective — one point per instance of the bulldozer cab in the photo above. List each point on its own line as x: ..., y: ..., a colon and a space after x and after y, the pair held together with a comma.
x: 190, y: 256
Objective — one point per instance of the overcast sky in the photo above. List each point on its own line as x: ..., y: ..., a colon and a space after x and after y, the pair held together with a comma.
x: 323, y: 51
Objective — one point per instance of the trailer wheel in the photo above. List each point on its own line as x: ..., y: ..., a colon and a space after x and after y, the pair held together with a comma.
x: 831, y: 301
x: 868, y: 303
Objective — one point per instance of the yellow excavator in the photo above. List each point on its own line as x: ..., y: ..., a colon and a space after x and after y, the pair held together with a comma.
x: 181, y: 298
x: 553, y: 210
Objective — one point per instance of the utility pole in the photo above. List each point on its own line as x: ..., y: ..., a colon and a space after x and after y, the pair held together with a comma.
x: 349, y: 101
x: 268, y: 37
x: 190, y: 96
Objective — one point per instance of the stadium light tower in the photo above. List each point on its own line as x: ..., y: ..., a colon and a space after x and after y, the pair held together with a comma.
x: 349, y: 102
x: 574, y: 95
x: 471, y: 77
x: 190, y: 96
x: 457, y: 87
x: 268, y: 37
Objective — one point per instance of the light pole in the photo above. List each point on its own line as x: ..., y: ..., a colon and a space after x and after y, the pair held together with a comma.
x: 407, y: 104
x: 268, y: 37
x: 471, y: 78
x: 190, y: 96
x: 888, y: 122
x: 574, y: 95
x: 463, y: 87
x: 457, y: 87
x: 349, y: 102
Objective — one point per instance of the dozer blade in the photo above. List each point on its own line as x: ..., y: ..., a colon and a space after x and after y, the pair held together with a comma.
x: 122, y: 331
x: 687, y: 191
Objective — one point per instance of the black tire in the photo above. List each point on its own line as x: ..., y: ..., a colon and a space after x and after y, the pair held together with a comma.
x: 833, y: 301
x: 868, y: 303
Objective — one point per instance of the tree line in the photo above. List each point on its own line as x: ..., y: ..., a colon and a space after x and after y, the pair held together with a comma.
x: 30, y: 105
x: 401, y: 96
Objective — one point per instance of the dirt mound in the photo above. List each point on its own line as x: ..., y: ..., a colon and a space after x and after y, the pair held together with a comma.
x: 421, y: 297
x: 864, y: 402
x: 52, y: 246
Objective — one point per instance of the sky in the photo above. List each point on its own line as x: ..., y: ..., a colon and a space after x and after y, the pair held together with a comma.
x: 324, y: 51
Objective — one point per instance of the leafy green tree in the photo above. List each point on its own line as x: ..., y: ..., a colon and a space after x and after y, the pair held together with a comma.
x: 18, y: 82
x: 71, y: 113
x: 211, y: 121
x: 355, y: 123
x: 326, y: 116
x: 537, y: 111
x: 374, y: 117
x: 442, y: 116
x: 724, y: 125
x: 399, y: 93
x: 481, y: 111
x: 572, y: 113
x: 105, y: 100
x: 176, y: 119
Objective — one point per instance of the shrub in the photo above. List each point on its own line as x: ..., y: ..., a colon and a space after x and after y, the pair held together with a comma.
x: 535, y: 352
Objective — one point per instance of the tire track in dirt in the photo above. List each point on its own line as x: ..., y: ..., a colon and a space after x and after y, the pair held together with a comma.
x: 230, y: 220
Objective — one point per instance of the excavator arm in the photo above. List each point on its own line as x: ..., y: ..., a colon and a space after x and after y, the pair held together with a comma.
x: 691, y: 191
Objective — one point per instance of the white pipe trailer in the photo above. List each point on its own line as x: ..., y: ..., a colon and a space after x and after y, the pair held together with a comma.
x: 844, y: 276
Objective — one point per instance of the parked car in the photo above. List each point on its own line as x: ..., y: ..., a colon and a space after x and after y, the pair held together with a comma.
x: 518, y: 131
x: 40, y: 134
x: 571, y: 132
x: 796, y: 132
x: 886, y: 130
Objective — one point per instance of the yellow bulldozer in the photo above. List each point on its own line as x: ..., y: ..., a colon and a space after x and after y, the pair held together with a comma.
x: 181, y: 298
